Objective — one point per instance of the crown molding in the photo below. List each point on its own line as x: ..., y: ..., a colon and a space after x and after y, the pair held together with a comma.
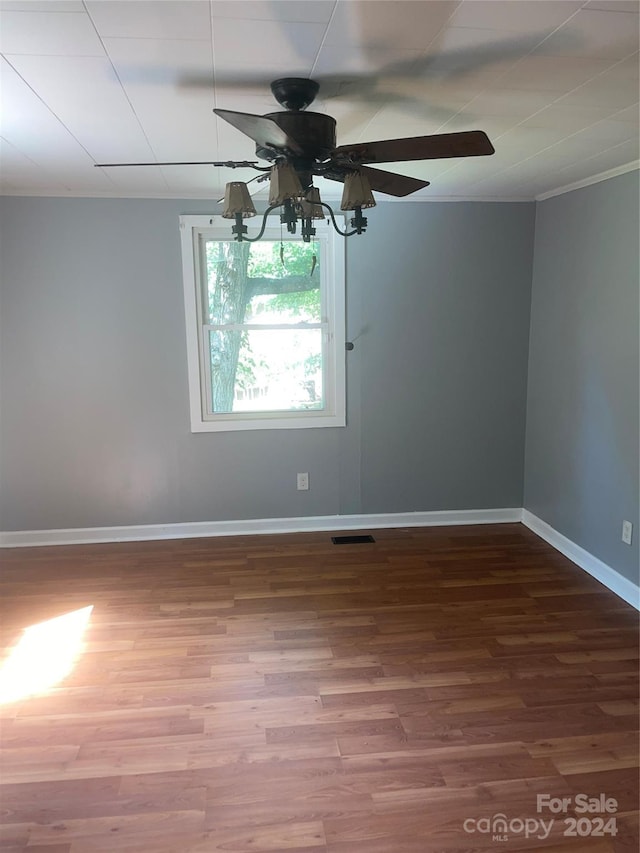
x: 594, y: 179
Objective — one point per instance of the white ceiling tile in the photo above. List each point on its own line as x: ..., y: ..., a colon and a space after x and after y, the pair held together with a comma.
x: 137, y: 179
x: 157, y: 19
x: 569, y: 150
x: 459, y: 50
x: 630, y: 114
x: 284, y: 48
x: 595, y: 33
x: 165, y: 65
x: 17, y: 170
x: 493, y: 126
x: 206, y: 181
x: 510, y: 102
x: 178, y: 122
x: 42, y: 5
x: 337, y: 61
x: 604, y: 134
x: 522, y: 142
x: 467, y: 170
x: 398, y: 101
x: 374, y: 28
x: 85, y: 95
x: 611, y: 158
x: 582, y: 170
x: 69, y: 34
x: 33, y: 129
x: 387, y: 69
x: 521, y: 16
x: 392, y: 124
x: 614, y: 5
x: 309, y: 11
x: 615, y: 87
x: 568, y: 117
x: 555, y: 73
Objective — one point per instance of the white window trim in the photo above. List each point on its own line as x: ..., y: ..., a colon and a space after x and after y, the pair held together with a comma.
x: 333, y: 313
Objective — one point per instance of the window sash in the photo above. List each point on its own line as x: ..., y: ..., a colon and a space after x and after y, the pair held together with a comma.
x: 196, y: 231
x: 327, y: 389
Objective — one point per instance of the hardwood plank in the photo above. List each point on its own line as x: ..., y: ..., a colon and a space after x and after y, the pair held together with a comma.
x: 276, y: 693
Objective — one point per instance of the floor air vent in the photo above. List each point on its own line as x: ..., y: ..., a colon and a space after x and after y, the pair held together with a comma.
x: 351, y: 540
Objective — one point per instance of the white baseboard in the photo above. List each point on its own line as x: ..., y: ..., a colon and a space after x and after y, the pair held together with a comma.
x: 304, y: 524
x: 612, y: 579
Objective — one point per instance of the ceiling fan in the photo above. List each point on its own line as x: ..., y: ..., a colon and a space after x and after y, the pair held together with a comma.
x: 305, y: 143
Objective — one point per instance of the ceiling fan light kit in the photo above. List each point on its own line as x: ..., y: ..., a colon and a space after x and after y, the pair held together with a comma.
x: 311, y: 205
x: 238, y: 201
x: 357, y: 192
x: 284, y: 184
x: 301, y: 145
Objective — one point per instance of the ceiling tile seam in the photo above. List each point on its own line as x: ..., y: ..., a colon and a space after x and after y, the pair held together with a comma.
x: 366, y: 126
x: 40, y: 11
x: 587, y: 8
x: 505, y: 172
x: 324, y: 37
x: 586, y: 82
x: 214, y: 96
x: 212, y: 4
x: 582, y: 160
x: 551, y: 173
x: 53, y: 55
x: 595, y: 178
x: 550, y: 104
x: 128, y: 100
x: 576, y: 162
x: 514, y: 65
x: 149, y: 38
x: 49, y: 175
x: 51, y: 112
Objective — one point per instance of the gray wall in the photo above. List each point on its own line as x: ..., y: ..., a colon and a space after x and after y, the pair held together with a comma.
x: 582, y: 412
x: 95, y: 426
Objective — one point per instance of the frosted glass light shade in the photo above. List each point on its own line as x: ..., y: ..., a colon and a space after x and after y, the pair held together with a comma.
x: 237, y: 200
x: 357, y: 192
x: 284, y: 184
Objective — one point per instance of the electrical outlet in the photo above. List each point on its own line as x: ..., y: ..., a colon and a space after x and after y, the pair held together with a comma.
x: 303, y: 482
x: 627, y: 532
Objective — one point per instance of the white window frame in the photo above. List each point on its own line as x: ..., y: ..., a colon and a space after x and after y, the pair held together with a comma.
x: 194, y: 230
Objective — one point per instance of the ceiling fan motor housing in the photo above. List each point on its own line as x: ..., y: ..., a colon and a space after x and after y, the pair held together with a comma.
x: 294, y: 93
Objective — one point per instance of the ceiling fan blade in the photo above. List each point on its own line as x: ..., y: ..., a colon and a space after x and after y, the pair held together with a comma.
x: 384, y: 182
x: 264, y: 131
x: 229, y: 164
x: 470, y: 143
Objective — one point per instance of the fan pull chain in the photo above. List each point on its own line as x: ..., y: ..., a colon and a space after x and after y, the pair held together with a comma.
x: 314, y: 257
x: 281, y: 246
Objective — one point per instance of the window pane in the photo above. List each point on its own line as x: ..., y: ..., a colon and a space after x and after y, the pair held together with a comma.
x: 255, y: 283
x: 266, y: 371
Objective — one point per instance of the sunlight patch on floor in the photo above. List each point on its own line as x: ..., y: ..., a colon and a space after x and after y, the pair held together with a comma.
x: 45, y: 654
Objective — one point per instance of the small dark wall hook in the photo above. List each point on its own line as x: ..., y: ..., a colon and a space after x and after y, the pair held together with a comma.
x: 349, y: 346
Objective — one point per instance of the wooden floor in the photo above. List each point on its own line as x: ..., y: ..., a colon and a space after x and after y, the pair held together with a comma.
x: 281, y: 693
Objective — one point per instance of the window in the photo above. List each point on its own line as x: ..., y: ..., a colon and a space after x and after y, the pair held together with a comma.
x: 265, y: 327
